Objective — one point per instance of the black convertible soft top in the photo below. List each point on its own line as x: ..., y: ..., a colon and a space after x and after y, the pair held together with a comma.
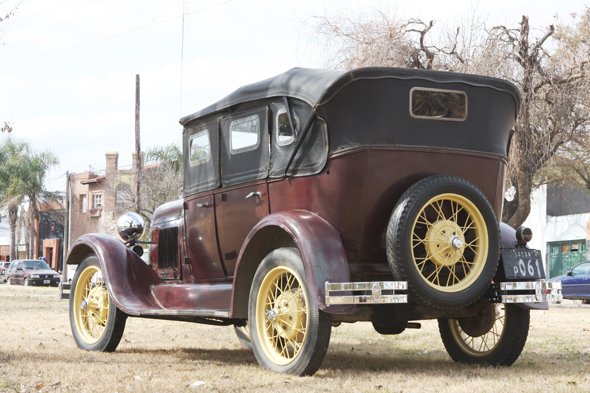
x: 316, y: 87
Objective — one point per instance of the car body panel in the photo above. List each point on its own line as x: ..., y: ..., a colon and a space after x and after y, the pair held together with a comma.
x: 321, y: 251
x: 576, y: 282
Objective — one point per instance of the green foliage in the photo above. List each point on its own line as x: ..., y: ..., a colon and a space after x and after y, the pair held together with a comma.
x: 22, y: 175
x: 170, y: 156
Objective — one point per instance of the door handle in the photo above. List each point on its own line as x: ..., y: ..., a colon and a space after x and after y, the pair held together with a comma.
x: 205, y: 205
x: 256, y: 194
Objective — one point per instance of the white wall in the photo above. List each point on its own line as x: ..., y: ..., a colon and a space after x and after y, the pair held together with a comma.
x: 537, y: 219
x: 563, y: 228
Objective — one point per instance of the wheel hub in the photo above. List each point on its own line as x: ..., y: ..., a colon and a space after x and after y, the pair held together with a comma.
x: 444, y: 242
x: 289, y: 316
x: 272, y: 315
x: 481, y: 323
x: 97, y: 303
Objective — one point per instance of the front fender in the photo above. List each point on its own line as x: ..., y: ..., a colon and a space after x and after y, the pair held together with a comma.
x: 319, y: 244
x: 127, y: 277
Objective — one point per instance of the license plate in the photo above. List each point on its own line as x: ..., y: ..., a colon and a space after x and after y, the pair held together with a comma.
x: 522, y: 263
x: 46, y: 281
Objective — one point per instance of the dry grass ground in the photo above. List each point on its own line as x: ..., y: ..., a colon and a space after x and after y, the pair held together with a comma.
x: 37, y: 353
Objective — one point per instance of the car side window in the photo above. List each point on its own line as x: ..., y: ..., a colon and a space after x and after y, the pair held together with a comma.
x: 199, y: 148
x: 284, y: 134
x: 581, y: 269
x: 244, y: 134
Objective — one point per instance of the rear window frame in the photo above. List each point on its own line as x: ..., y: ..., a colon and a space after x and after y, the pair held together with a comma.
x: 436, y: 117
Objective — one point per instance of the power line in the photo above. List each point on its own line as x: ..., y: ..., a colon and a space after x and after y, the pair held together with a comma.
x: 43, y: 12
x: 115, y: 35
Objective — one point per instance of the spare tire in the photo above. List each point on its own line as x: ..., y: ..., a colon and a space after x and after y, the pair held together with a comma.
x: 443, y: 239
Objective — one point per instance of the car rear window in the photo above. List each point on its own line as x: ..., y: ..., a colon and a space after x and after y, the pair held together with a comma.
x: 435, y: 104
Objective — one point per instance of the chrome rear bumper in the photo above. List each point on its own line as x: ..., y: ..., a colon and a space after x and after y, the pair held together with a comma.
x: 382, y: 292
x: 526, y: 292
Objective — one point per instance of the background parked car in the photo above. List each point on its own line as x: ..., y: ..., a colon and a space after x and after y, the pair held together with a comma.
x: 31, y: 272
x: 576, y: 282
x: 3, y: 268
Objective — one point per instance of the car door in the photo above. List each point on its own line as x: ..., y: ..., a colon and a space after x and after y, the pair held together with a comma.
x: 20, y: 273
x: 238, y: 210
x: 243, y: 200
x: 201, y: 176
x: 577, y: 283
x: 201, y: 234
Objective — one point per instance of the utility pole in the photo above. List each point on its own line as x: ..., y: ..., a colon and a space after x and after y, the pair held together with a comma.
x: 137, y: 148
x: 64, y: 267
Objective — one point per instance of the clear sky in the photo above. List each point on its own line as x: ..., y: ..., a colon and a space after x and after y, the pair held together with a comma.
x: 67, y: 67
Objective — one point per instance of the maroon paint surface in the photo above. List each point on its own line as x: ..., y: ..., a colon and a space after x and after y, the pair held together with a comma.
x: 201, y: 238
x: 195, y: 297
x: 236, y: 216
x: 321, y: 251
x: 128, y: 278
x: 357, y: 191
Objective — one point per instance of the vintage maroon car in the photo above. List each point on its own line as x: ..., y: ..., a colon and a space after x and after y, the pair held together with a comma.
x: 320, y: 197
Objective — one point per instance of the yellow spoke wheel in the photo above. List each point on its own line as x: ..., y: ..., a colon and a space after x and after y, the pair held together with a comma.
x: 282, y: 315
x: 97, y: 324
x: 495, y: 335
x: 480, y: 344
x: 91, y: 305
x: 449, y: 243
x: 288, y: 332
x: 443, y: 239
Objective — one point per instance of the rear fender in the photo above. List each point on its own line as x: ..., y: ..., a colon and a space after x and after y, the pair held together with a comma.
x: 318, y: 243
x: 127, y: 277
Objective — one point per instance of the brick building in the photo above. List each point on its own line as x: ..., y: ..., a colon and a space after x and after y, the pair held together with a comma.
x: 98, y: 199
x: 49, y: 228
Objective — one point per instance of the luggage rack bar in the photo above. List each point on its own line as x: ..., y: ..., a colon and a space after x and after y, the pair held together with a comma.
x: 382, y: 292
x: 526, y: 292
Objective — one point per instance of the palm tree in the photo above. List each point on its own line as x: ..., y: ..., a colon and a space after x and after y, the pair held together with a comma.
x: 22, y: 175
x: 10, y: 154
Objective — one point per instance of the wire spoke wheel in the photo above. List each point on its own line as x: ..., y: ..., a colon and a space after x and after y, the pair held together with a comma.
x: 97, y: 324
x: 282, y: 315
x: 443, y: 239
x: 289, y: 334
x: 91, y: 305
x: 495, y: 335
x: 449, y: 243
x: 485, y: 343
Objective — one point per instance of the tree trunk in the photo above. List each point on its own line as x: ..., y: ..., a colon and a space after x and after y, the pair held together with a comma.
x: 33, y: 232
x: 524, y: 189
x: 12, y: 217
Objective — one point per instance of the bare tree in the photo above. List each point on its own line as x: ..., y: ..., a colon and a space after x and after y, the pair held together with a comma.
x: 551, y: 83
x: 161, y: 179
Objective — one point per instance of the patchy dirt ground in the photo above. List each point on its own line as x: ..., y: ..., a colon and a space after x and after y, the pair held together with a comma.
x: 38, y: 354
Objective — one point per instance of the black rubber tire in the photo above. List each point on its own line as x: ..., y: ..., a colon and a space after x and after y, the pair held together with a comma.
x: 585, y: 301
x: 504, y: 353
x: 316, y: 342
x: 115, y: 321
x: 243, y: 335
x: 400, y: 249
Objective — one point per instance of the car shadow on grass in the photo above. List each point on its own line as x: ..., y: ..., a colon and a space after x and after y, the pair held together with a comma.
x: 228, y: 356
